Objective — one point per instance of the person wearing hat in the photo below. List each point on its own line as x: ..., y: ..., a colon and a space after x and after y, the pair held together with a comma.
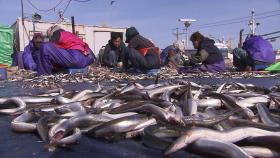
x: 31, y: 52
x: 114, y: 51
x: 208, y: 57
x: 172, y: 55
x: 142, y: 53
x: 64, y: 51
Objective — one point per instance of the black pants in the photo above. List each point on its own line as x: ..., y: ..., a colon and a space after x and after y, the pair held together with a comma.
x: 143, y: 63
x: 110, y: 59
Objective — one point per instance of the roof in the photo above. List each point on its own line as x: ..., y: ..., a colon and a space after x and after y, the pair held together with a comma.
x: 19, y: 18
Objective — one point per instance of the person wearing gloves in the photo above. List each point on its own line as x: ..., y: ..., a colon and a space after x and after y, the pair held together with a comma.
x: 114, y: 52
x: 171, y: 56
x: 208, y: 57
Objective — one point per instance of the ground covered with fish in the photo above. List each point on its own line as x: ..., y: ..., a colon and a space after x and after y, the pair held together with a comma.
x: 192, y: 115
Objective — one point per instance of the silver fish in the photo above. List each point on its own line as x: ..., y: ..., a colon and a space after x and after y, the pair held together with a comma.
x: 21, y: 123
x: 209, y: 147
x: 43, y: 128
x: 265, y: 115
x: 189, y: 104
x: 260, y: 152
x: 121, y: 125
x: 233, y: 135
x: 16, y: 100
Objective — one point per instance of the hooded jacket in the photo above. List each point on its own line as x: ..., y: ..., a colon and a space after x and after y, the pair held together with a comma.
x: 259, y: 49
x: 30, y: 57
x: 67, y: 40
x: 214, y: 54
x: 136, y: 41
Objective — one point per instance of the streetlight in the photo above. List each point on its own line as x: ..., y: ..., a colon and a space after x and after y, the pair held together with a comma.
x: 187, y: 23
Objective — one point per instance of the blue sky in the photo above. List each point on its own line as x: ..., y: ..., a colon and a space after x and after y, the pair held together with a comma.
x: 155, y: 19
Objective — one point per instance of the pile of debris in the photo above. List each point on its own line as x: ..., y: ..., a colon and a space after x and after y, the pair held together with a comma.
x: 103, y: 74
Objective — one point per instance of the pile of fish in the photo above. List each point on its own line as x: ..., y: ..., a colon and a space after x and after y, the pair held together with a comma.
x: 232, y: 120
x: 103, y: 74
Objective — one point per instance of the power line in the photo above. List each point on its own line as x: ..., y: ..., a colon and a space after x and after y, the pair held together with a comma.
x: 234, y: 19
x: 45, y: 10
x: 235, y: 22
x: 82, y: 0
x: 272, y: 38
x: 64, y: 10
x: 268, y: 16
x: 270, y: 33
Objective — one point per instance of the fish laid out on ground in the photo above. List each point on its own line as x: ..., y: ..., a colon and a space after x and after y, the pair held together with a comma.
x: 231, y: 120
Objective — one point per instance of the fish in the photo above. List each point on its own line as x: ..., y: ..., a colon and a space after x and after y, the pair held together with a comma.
x: 189, y: 104
x: 208, y: 102
x: 230, y: 103
x: 260, y: 152
x: 43, y: 128
x: 207, y: 122
x: 16, y: 100
x: 121, y: 125
x: 170, y: 115
x: 80, y: 95
x: 265, y: 115
x: 161, y: 89
x: 72, y: 109
x: 233, y: 135
x: 22, y: 123
x: 208, y: 147
x: 58, y: 132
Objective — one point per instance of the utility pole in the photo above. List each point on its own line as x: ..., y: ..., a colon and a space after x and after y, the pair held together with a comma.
x: 21, y: 11
x: 22, y: 22
x: 177, y: 34
x: 240, y: 44
x: 73, y: 24
x: 253, y: 24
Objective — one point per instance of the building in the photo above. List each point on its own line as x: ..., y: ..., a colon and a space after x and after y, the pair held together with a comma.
x: 94, y: 36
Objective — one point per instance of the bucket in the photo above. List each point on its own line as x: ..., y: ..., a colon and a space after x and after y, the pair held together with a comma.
x: 3, y: 72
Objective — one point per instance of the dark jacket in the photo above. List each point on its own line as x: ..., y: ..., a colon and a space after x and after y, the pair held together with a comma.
x: 30, y: 56
x: 136, y: 41
x: 56, y: 36
x: 120, y: 52
x: 213, y: 53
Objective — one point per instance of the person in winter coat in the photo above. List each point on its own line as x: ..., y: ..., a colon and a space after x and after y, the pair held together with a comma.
x: 256, y: 52
x: 31, y: 52
x: 208, y: 57
x: 171, y: 56
x: 141, y: 52
x: 114, y: 52
x: 65, y: 50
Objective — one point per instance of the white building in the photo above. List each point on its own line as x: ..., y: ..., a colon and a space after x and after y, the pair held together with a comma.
x: 94, y: 36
